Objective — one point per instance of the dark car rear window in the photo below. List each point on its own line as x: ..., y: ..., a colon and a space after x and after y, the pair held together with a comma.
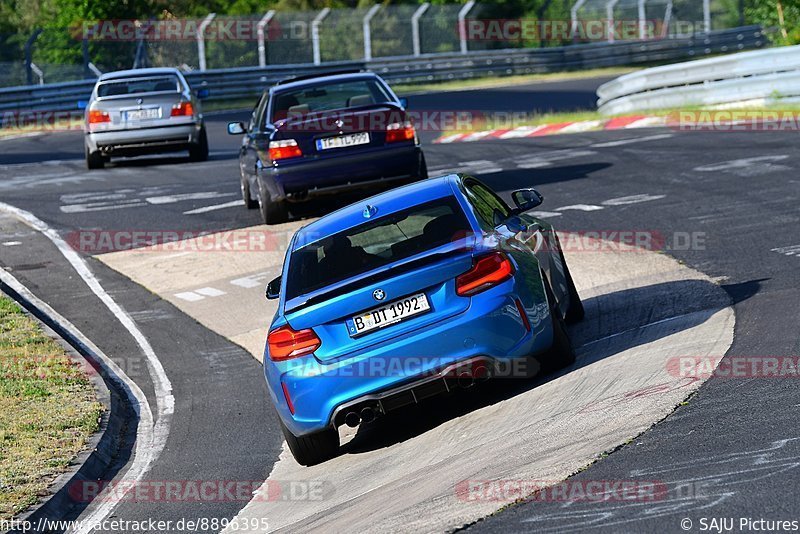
x: 132, y: 86
x: 374, y: 245
x: 328, y: 97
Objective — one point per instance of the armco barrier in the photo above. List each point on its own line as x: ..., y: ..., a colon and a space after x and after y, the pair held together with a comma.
x: 758, y: 76
x: 228, y: 84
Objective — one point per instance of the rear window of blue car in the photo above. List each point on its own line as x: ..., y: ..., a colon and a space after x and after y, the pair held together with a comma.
x: 374, y: 245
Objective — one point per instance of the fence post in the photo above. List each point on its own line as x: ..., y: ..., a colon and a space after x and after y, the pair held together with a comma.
x: 610, y: 19
x: 368, y: 32
x: 29, y: 55
x: 201, y: 40
x: 462, y: 25
x: 707, y: 15
x: 642, y: 21
x: 315, y: 34
x: 573, y: 17
x: 415, y: 27
x: 667, y: 20
x: 262, y: 48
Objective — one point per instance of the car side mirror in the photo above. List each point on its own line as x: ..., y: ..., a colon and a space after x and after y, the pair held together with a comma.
x: 236, y: 128
x: 526, y: 199
x: 203, y: 93
x: 404, y: 102
x: 274, y: 289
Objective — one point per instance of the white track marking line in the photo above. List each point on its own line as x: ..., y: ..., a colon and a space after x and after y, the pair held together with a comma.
x: 633, y: 199
x: 12, y: 243
x: 165, y: 401
x: 204, y: 195
x: 622, y: 142
x: 793, y: 250
x: 210, y: 292
x: 215, y: 207
x: 189, y: 296
x: 145, y: 453
x: 580, y: 207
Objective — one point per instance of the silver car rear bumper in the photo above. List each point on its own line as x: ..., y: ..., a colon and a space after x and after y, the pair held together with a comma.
x: 143, y: 140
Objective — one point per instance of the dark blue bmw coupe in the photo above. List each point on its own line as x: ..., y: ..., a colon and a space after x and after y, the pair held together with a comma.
x: 323, y: 134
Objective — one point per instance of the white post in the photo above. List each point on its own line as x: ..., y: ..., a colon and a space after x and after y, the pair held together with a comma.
x: 415, y: 27
x: 201, y: 40
x: 642, y: 21
x: 367, y: 32
x: 92, y: 67
x: 462, y: 25
x: 610, y: 19
x: 667, y: 20
x: 262, y: 48
x: 38, y: 72
x: 573, y: 15
x: 315, y: 34
x: 707, y: 15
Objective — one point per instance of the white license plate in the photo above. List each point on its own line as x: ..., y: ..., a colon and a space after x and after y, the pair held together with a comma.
x: 389, y: 314
x: 143, y: 114
x: 343, y: 141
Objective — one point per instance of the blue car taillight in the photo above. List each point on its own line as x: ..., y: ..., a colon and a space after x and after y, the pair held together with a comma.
x: 487, y: 271
x: 286, y: 343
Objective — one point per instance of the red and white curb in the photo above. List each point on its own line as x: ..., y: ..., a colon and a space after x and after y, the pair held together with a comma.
x: 617, y: 123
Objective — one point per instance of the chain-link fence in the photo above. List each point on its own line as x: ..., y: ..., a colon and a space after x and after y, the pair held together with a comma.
x: 331, y: 35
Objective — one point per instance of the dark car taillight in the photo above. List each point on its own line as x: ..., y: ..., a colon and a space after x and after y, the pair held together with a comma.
x: 400, y: 131
x: 183, y: 109
x: 286, y: 343
x: 96, y: 116
x: 487, y: 271
x: 284, y: 149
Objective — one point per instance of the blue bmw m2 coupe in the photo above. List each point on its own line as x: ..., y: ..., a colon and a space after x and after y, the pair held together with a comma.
x: 410, y: 294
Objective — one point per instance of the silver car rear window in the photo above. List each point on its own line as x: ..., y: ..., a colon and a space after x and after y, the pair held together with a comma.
x: 133, y: 86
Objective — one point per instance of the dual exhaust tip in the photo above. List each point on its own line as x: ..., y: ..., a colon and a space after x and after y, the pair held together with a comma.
x: 465, y: 379
x: 366, y: 415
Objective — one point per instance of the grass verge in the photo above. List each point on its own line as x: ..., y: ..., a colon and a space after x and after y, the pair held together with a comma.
x: 48, y: 410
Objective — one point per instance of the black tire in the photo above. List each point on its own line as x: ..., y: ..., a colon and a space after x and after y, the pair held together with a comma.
x: 575, y: 313
x: 561, y: 353
x: 249, y: 203
x: 94, y: 160
x: 314, y: 448
x: 199, y: 151
x: 271, y: 212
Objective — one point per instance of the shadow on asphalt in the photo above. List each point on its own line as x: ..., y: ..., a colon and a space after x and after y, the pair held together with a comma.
x: 641, y: 306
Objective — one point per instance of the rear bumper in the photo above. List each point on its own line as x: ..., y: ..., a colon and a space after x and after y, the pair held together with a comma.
x: 308, y: 178
x: 144, y: 140
x: 490, y: 329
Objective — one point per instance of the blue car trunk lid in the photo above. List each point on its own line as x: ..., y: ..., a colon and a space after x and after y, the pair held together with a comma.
x: 328, y: 313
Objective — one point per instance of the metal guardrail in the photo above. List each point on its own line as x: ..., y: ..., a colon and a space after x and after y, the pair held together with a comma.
x: 237, y: 83
x: 764, y: 75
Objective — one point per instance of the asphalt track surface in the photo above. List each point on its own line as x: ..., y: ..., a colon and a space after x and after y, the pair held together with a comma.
x: 734, y: 444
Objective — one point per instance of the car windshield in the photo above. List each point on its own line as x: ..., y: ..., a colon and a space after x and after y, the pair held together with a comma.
x: 374, y: 245
x: 133, y: 86
x: 327, y: 97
